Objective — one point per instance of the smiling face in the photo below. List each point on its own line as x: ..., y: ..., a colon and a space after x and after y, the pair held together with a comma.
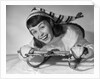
x: 42, y: 32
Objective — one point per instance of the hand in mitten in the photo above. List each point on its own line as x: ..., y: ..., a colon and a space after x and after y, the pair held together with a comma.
x: 24, y: 51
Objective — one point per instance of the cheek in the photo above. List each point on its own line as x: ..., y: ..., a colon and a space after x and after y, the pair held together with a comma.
x: 36, y: 35
x: 48, y: 30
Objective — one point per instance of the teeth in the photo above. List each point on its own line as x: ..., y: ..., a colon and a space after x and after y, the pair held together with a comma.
x: 44, y: 37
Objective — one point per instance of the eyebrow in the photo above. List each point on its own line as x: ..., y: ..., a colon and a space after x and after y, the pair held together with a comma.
x: 40, y: 24
x: 35, y: 26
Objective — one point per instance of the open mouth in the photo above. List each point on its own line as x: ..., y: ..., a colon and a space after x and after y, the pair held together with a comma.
x: 45, y: 37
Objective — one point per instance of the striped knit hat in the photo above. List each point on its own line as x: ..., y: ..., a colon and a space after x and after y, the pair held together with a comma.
x: 58, y: 18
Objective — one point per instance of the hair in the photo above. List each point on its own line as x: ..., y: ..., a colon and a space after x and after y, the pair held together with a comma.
x: 57, y: 29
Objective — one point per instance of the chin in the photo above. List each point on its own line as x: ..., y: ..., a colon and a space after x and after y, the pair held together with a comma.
x: 47, y: 41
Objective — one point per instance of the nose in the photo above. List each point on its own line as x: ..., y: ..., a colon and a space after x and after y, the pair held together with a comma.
x: 40, y: 34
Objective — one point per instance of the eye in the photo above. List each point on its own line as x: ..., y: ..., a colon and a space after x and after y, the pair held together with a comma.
x: 33, y: 31
x: 42, y: 27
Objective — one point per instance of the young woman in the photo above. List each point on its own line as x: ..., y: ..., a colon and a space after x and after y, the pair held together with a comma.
x: 51, y: 31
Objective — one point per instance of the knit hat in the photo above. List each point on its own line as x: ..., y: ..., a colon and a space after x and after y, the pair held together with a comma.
x: 57, y: 18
